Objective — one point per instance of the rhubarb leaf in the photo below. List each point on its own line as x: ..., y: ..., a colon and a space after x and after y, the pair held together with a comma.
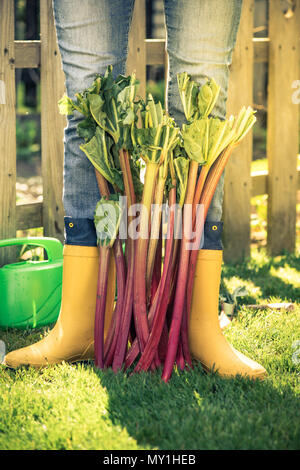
x: 97, y: 152
x: 107, y: 220
x: 207, y: 97
x: 65, y: 105
x: 86, y: 129
x: 195, y: 138
x: 197, y: 101
x: 181, y: 165
x: 188, y: 91
x: 244, y: 123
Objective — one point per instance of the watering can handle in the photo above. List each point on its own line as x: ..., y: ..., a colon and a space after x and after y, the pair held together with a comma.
x: 53, y: 247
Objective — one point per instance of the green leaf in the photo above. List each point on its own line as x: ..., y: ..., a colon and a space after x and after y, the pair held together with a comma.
x: 148, y: 143
x: 129, y: 118
x: 207, y: 97
x: 96, y: 151
x: 96, y: 103
x: 135, y: 172
x: 240, y: 291
x: 107, y: 220
x: 188, y: 91
x: 181, y: 165
x: 65, y: 105
x: 198, y: 101
x: 86, y: 129
x: 195, y: 138
x: 244, y: 123
x: 117, y: 177
x: 220, y: 136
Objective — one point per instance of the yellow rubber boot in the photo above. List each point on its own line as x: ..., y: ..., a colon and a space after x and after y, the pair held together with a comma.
x: 72, y: 338
x: 206, y: 340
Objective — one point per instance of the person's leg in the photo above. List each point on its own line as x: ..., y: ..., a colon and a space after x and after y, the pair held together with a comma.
x: 201, y: 35
x: 92, y: 34
x: 200, y: 39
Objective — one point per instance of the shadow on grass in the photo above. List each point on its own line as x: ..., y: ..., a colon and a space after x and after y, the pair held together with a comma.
x: 196, y: 410
x: 259, y: 274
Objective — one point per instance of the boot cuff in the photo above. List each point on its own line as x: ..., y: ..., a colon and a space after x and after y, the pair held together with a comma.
x: 210, y: 255
x: 80, y: 232
x: 212, y: 236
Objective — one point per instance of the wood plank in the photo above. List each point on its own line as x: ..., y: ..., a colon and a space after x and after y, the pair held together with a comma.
x: 282, y: 127
x: 155, y: 50
x: 136, y: 60
x: 7, y: 129
x: 237, y: 191
x: 52, y: 89
x: 27, y: 54
x: 259, y: 182
x: 261, y: 49
x: 29, y: 215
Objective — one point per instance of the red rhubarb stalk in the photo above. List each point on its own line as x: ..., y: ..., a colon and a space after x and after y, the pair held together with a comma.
x: 134, y: 349
x: 162, y: 301
x: 123, y: 332
x: 111, y: 339
x: 100, y: 306
x: 181, y: 280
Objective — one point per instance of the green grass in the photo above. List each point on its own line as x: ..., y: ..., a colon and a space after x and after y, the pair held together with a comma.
x: 79, y: 407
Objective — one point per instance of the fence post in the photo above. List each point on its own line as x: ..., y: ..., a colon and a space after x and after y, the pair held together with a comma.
x: 7, y: 128
x: 52, y: 123
x: 283, y: 132
x: 237, y: 192
x: 136, y: 60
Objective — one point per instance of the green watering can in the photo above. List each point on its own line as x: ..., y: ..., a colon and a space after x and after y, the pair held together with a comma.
x: 30, y: 291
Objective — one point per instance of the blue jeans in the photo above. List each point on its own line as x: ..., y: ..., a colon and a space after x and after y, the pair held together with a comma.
x: 94, y: 33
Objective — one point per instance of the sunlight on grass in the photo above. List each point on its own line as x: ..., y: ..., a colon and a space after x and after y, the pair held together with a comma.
x: 232, y: 283
x: 287, y: 274
x: 259, y: 257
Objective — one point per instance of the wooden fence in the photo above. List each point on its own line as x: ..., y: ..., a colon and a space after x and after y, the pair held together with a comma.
x: 280, y: 50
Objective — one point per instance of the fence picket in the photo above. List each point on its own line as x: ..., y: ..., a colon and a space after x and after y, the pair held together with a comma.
x: 52, y: 89
x: 7, y: 128
x: 136, y: 60
x: 282, y: 126
x: 237, y: 191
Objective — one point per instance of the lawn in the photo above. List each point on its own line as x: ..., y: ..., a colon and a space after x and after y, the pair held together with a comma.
x: 79, y: 407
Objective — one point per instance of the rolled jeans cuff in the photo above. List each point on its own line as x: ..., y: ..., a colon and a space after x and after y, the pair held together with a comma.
x: 212, y: 239
x: 80, y: 232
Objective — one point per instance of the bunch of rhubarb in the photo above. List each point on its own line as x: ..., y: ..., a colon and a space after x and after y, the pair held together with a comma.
x: 156, y: 182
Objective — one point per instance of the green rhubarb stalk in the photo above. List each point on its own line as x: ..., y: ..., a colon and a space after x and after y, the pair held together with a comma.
x: 155, y: 224
x: 140, y: 300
